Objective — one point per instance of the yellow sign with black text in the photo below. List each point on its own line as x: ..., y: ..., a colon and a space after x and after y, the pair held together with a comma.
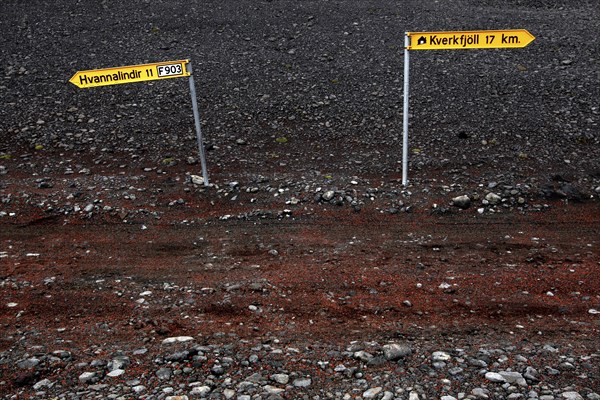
x: 500, y: 39
x: 130, y: 74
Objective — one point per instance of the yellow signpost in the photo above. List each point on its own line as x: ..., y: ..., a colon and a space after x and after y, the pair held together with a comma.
x: 457, y: 40
x: 505, y: 39
x: 130, y: 74
x: 147, y: 72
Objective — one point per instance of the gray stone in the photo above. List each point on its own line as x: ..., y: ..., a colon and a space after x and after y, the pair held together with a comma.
x: 177, y: 339
x: 480, y: 393
x: 201, y: 391
x: 302, y: 382
x: 494, y: 377
x: 372, y: 393
x: 282, y: 379
x: 394, y: 351
x: 87, y: 377
x: 513, y: 377
x: 463, y: 201
x: 164, y: 373
x: 178, y: 356
x: 43, y: 384
x: 387, y: 396
x: 571, y: 396
x: 493, y: 198
x: 273, y: 390
x: 28, y: 363
x: 119, y: 362
x: 363, y: 356
x: 440, y: 356
x: 197, y: 180
x: 139, y: 389
x: 115, y: 372
x: 328, y: 195
x: 531, y: 374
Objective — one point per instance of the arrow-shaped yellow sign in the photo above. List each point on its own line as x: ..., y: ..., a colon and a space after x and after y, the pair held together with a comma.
x: 130, y: 74
x: 506, y: 39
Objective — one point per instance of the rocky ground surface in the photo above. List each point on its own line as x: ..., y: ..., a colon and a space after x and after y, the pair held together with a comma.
x: 306, y: 269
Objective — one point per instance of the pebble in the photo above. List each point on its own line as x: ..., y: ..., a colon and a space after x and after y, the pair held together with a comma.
x: 372, y: 393
x: 200, y: 391
x: 282, y: 379
x: 493, y: 198
x: 572, y: 396
x: 440, y: 356
x: 177, y: 339
x: 302, y: 382
x: 115, y: 372
x: 87, y: 377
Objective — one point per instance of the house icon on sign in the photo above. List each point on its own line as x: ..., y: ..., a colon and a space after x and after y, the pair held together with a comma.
x: 422, y: 40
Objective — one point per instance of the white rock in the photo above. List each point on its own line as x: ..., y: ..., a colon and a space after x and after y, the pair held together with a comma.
x: 395, y: 351
x: 200, y: 391
x: 328, y: 195
x: 116, y: 372
x: 463, y: 201
x: 494, y: 377
x: 282, y: 379
x: 87, y: 376
x: 43, y: 384
x: 440, y: 356
x: 513, y: 377
x: 363, y: 356
x: 571, y: 396
x: 372, y: 393
x: 177, y: 339
x: 302, y: 382
x: 139, y: 389
x: 273, y: 389
x: 493, y: 198
x: 197, y: 180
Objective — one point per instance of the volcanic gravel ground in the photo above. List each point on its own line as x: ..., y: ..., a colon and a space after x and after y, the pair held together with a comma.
x: 305, y: 270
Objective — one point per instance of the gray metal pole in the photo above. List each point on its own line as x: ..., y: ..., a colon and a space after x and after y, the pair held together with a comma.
x: 197, y: 122
x: 405, y: 112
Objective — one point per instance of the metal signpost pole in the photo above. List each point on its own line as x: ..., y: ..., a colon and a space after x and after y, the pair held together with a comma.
x: 405, y: 112
x: 197, y: 122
